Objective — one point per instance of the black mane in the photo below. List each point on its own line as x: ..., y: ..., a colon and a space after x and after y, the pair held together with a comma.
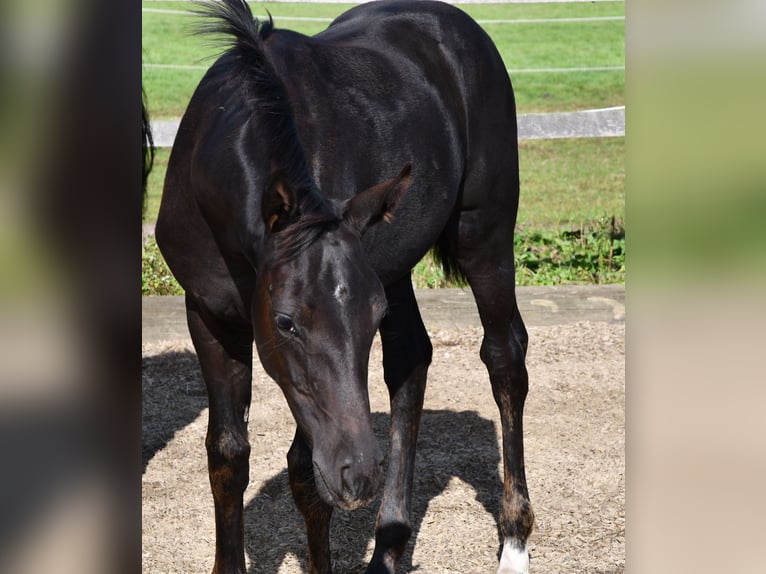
x: 248, y: 71
x: 245, y: 69
x: 301, y: 234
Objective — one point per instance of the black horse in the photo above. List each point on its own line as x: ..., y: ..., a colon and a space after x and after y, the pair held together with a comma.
x: 277, y: 218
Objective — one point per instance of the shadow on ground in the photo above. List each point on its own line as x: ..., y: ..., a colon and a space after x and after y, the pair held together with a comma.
x: 173, y: 395
x: 451, y: 444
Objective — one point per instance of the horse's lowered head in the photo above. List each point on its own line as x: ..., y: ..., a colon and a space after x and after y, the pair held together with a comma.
x: 318, y: 304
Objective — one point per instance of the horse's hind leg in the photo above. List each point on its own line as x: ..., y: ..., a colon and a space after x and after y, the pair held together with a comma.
x: 485, y: 255
x: 225, y: 353
x: 316, y: 513
x: 406, y: 356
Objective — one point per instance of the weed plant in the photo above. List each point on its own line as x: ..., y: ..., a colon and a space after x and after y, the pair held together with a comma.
x: 593, y: 253
x: 156, y: 278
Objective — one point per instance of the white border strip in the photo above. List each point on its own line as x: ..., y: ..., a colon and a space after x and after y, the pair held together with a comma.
x: 607, y: 122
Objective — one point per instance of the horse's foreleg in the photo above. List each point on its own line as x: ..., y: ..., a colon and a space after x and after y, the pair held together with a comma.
x: 406, y: 356
x: 316, y: 513
x: 225, y: 356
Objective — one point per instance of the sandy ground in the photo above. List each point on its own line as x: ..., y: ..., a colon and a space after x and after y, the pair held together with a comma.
x: 575, y: 445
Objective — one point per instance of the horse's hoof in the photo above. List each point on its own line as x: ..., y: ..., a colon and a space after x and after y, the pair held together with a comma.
x: 515, y: 558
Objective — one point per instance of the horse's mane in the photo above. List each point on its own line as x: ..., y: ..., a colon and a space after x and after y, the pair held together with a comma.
x: 248, y: 71
x: 247, y: 68
x: 302, y: 233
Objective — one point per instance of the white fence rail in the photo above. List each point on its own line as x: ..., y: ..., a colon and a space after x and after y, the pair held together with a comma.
x: 609, y: 122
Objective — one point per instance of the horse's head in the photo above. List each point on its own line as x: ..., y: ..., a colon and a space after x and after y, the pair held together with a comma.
x: 318, y: 304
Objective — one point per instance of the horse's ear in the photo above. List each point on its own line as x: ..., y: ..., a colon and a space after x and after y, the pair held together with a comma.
x: 279, y: 204
x: 377, y: 202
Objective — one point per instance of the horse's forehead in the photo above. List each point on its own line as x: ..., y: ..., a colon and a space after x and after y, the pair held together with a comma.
x: 341, y: 293
x: 331, y: 258
x: 332, y: 264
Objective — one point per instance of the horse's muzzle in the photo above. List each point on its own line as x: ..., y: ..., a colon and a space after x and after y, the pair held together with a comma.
x: 354, y: 484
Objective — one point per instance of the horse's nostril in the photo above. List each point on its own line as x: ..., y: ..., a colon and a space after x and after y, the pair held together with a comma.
x: 346, y: 476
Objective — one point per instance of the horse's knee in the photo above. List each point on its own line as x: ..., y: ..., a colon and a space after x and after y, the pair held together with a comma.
x: 422, y: 360
x: 228, y: 453
x: 408, y: 363
x: 298, y: 456
x: 300, y: 467
x: 520, y: 331
x: 391, y: 538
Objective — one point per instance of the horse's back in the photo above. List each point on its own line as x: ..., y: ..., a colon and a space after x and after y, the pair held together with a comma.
x: 457, y: 59
x: 454, y: 58
x: 389, y: 83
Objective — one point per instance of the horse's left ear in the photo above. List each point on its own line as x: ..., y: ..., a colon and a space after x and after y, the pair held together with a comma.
x: 279, y: 203
x: 377, y: 202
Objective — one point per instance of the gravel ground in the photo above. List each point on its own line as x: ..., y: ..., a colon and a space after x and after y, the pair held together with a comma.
x: 575, y: 455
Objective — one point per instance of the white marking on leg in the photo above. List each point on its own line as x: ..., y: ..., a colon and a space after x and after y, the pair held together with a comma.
x: 515, y: 559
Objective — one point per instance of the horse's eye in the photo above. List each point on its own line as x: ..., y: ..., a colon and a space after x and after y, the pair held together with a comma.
x: 285, y: 324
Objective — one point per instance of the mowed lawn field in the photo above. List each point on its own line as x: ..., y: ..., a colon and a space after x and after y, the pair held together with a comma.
x: 542, y: 45
x: 560, y: 56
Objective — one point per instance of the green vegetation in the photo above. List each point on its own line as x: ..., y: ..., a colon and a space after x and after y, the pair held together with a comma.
x: 156, y: 278
x: 567, y: 182
x: 593, y: 253
x: 570, y: 227
x: 571, y: 215
x: 563, y: 182
x: 167, y: 40
x: 155, y: 182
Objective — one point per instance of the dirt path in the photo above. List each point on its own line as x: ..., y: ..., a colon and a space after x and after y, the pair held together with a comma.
x: 574, y: 455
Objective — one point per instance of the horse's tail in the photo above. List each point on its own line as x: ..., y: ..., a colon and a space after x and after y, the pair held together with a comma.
x: 444, y: 255
x: 242, y: 33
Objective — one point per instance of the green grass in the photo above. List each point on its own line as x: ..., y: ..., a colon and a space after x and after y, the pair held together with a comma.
x: 569, y: 182
x: 563, y: 182
x: 154, y: 183
x: 570, y: 226
x: 572, y: 209
x: 167, y: 40
x: 590, y: 254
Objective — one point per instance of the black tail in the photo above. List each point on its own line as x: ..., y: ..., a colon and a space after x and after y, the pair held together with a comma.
x: 444, y: 255
x: 147, y: 146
